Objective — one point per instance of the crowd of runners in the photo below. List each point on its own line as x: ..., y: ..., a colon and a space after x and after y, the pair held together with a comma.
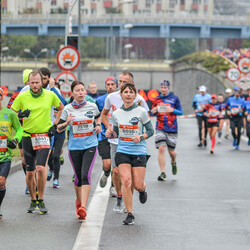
x: 116, y: 125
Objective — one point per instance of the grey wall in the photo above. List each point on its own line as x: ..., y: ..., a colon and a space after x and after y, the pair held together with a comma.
x: 185, y: 84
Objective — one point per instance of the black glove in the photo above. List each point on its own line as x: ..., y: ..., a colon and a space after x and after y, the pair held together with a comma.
x: 23, y: 114
x: 52, y: 130
x: 12, y: 144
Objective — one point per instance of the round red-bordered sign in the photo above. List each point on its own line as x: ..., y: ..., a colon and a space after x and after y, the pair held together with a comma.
x: 233, y: 74
x: 5, y: 90
x: 68, y: 58
x: 244, y: 65
x: 65, y: 80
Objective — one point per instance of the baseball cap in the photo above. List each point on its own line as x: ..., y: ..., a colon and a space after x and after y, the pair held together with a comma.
x: 203, y: 88
x: 236, y: 89
x: 113, y: 79
x: 165, y: 83
x: 214, y: 96
x: 228, y: 90
x: 26, y: 74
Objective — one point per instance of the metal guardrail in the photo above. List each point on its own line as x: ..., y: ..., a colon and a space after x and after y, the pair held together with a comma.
x: 119, y: 18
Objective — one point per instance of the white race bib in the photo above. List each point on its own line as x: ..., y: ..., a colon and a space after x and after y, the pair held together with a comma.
x: 222, y: 112
x: 201, y: 107
x: 248, y: 117
x: 127, y: 132
x: 3, y: 143
x: 162, y: 109
x: 214, y: 112
x: 235, y: 111
x: 40, y: 141
x: 82, y: 128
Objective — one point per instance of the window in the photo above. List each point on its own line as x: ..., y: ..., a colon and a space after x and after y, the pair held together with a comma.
x: 182, y: 2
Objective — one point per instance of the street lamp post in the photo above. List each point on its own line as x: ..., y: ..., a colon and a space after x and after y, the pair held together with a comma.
x: 112, y: 40
x: 44, y: 50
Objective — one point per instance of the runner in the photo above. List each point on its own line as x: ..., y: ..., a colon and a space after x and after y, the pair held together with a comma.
x: 111, y: 84
x: 131, y: 157
x: 92, y: 90
x: 166, y: 106
x: 80, y: 115
x: 247, y: 113
x: 201, y: 100
x: 8, y: 121
x: 227, y: 117
x: 235, y: 109
x: 112, y: 103
x: 36, y: 106
x: 221, y: 115
x: 212, y: 111
x: 26, y: 74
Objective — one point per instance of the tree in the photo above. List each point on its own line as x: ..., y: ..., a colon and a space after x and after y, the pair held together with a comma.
x: 181, y: 47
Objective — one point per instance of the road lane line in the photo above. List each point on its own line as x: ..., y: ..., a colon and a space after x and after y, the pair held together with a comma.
x: 90, y: 231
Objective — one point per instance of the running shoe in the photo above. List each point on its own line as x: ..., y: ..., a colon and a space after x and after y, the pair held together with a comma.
x: 143, y: 197
x: 61, y: 160
x: 199, y: 145
x: 27, y: 190
x: 237, y: 147
x: 81, y: 213
x: 112, y: 192
x: 42, y: 207
x: 227, y: 136
x: 118, y: 208
x: 56, y: 184
x: 32, y: 208
x: 162, y: 177
x: 205, y: 142
x: 103, y: 180
x: 234, y: 142
x: 50, y: 174
x: 211, y: 152
x: 174, y: 168
x: 248, y: 142
x: 129, y: 220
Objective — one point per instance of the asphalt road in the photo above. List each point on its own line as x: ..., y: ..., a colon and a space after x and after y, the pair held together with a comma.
x: 205, y: 206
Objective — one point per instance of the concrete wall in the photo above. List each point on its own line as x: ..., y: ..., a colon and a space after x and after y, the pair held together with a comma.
x: 185, y: 84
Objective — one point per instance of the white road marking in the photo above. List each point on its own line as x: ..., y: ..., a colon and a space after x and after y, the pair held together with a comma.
x: 90, y: 231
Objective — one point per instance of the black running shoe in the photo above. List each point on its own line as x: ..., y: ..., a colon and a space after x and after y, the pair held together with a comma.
x: 32, y: 207
x: 174, y: 168
x: 41, y: 207
x: 143, y: 197
x: 162, y: 177
x: 129, y: 220
x: 199, y: 145
x: 211, y: 152
x: 205, y: 143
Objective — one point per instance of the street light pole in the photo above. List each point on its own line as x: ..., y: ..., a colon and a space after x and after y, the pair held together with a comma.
x: 36, y: 55
x: 79, y: 42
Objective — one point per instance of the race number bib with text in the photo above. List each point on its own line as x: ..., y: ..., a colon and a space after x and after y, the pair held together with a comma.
x: 40, y: 141
x: 127, y: 132
x: 83, y: 128
x: 3, y: 143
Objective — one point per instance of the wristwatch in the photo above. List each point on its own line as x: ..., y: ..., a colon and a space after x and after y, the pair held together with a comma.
x: 141, y: 137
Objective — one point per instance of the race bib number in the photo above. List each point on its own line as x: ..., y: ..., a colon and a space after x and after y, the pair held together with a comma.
x: 110, y: 118
x: 127, y: 132
x: 201, y: 107
x: 3, y: 143
x: 83, y: 128
x: 162, y: 108
x: 40, y: 141
x: 222, y: 113
x: 248, y: 117
x: 214, y: 112
x: 235, y: 111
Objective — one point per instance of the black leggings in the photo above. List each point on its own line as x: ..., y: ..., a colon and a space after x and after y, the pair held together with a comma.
x: 236, y: 124
x: 82, y: 162
x: 201, y: 119
x: 248, y: 129
x: 54, y: 158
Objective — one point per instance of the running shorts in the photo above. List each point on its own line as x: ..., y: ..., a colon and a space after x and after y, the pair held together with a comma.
x: 82, y: 162
x: 5, y: 168
x: 133, y: 160
x: 20, y: 144
x: 166, y: 139
x: 32, y: 157
x: 236, y: 122
x: 113, y: 148
x: 212, y: 124
x: 104, y: 149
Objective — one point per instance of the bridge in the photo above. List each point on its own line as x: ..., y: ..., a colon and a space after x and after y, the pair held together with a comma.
x: 160, y: 26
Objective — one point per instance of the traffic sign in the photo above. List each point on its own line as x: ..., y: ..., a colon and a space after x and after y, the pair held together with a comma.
x: 243, y: 82
x: 5, y: 90
x: 65, y: 80
x: 244, y: 65
x: 68, y: 58
x: 233, y: 74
